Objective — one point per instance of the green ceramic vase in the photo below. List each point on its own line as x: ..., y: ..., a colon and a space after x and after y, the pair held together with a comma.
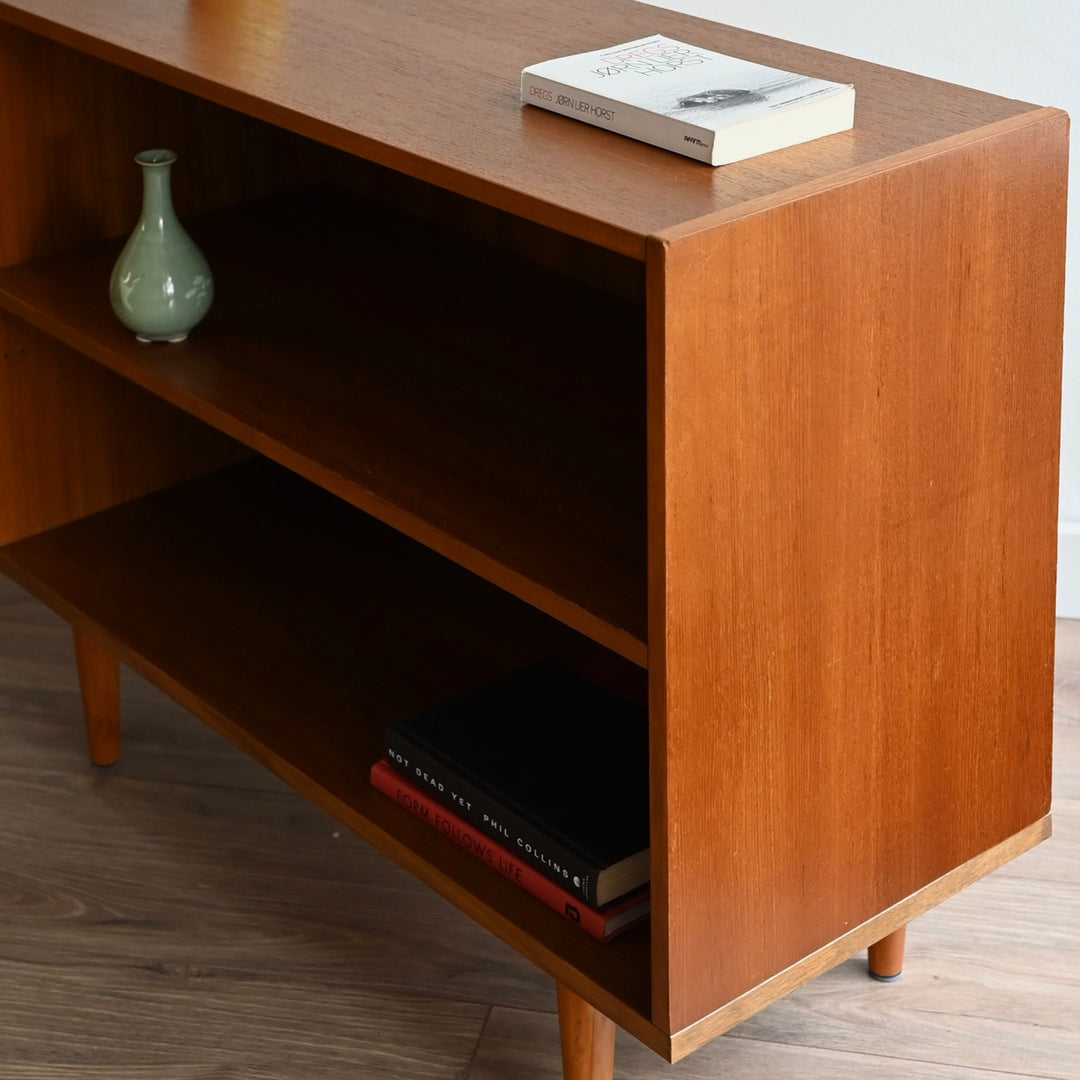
x: 161, y: 285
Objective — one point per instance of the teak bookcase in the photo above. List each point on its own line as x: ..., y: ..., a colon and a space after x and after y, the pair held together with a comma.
x: 483, y: 384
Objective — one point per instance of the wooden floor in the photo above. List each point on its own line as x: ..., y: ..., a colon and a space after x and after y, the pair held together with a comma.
x: 184, y: 917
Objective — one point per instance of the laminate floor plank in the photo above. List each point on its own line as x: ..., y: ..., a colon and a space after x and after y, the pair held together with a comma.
x: 206, y: 944
x: 187, y: 917
x: 201, y: 1020
x: 979, y: 990
x: 238, y: 886
x: 516, y: 1045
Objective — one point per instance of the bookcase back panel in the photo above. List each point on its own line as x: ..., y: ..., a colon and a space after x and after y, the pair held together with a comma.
x: 75, y: 438
x: 857, y: 407
x: 74, y: 179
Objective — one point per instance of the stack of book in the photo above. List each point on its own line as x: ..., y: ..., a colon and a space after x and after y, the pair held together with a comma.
x: 544, y: 776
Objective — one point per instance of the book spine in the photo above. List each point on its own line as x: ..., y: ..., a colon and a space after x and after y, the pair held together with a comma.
x: 600, y: 925
x: 459, y: 794
x: 667, y: 132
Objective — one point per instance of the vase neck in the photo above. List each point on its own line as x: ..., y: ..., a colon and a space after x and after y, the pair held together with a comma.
x: 157, y: 206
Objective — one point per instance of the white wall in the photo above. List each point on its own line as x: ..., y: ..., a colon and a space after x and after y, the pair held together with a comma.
x: 1023, y: 49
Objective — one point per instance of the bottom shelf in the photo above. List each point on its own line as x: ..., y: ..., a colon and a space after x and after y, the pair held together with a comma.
x: 298, y: 627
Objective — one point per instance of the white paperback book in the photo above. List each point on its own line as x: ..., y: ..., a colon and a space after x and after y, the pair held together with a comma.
x: 708, y: 106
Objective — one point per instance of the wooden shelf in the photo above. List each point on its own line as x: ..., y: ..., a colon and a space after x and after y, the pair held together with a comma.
x: 504, y: 429
x: 298, y: 627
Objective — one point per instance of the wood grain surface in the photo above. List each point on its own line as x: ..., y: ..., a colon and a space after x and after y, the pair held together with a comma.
x: 185, y: 917
x: 462, y: 60
x: 99, y: 684
x: 75, y: 438
x: 852, y: 575
x: 587, y: 1037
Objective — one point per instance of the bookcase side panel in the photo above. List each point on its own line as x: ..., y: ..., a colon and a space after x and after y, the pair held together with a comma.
x: 853, y: 494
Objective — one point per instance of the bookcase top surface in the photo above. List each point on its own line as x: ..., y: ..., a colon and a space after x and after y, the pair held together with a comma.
x: 431, y: 89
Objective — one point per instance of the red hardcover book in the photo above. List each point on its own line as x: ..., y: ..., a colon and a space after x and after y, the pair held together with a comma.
x: 603, y: 924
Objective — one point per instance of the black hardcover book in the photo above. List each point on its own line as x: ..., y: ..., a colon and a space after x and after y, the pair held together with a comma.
x: 553, y: 767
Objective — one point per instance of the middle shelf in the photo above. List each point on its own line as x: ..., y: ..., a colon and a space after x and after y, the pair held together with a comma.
x: 488, y: 407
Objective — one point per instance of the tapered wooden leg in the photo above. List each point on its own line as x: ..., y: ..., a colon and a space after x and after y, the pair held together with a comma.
x: 886, y: 958
x: 99, y: 680
x: 588, y: 1039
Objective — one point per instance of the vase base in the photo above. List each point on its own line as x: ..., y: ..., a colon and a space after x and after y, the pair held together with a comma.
x: 147, y: 339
